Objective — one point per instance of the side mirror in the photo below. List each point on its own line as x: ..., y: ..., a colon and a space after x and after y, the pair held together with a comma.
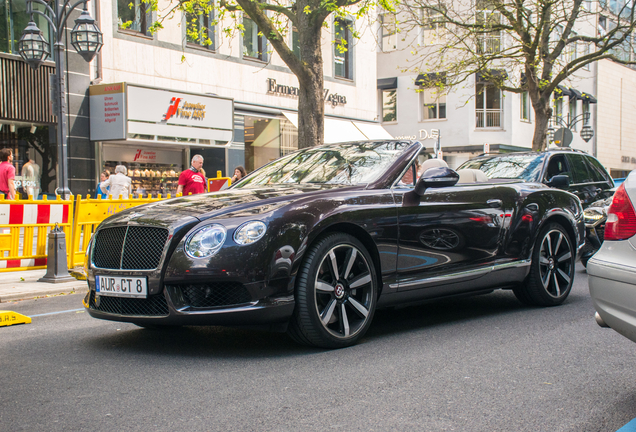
x: 436, y: 177
x: 560, y: 181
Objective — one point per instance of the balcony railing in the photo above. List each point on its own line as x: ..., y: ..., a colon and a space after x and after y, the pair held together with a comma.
x: 488, y: 118
x: 489, y: 44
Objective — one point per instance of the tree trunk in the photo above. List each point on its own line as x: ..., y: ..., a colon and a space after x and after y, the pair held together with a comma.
x: 311, y: 111
x: 542, y: 114
x: 311, y: 104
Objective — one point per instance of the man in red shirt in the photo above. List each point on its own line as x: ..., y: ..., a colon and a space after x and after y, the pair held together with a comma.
x: 192, y: 180
x: 7, y: 174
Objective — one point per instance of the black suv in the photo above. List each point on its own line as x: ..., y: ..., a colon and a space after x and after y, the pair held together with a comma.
x: 568, y: 169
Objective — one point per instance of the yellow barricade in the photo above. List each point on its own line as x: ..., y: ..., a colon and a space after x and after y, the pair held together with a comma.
x: 89, y: 213
x: 24, y: 229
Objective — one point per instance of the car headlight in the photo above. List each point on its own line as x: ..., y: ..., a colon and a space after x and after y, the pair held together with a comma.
x: 249, y: 232
x: 592, y: 215
x: 206, y: 241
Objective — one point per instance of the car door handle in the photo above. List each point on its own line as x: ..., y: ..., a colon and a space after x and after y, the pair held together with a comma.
x: 494, y: 203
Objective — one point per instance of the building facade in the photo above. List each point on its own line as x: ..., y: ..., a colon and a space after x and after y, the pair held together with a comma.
x: 200, y: 72
x: 477, y: 116
x: 27, y: 117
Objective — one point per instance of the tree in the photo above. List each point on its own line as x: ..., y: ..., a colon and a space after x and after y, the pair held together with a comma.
x: 518, y: 46
x: 273, y: 19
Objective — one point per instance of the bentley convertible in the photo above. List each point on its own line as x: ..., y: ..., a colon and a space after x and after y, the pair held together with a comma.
x: 314, y: 242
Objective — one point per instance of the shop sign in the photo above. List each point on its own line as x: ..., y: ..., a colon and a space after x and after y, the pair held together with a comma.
x: 424, y: 134
x: 108, y: 112
x: 19, y: 181
x: 283, y: 90
x: 627, y: 159
x: 167, y: 108
x: 183, y: 109
x: 140, y: 155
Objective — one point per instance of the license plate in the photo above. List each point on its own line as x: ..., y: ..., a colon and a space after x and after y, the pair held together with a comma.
x: 121, y: 286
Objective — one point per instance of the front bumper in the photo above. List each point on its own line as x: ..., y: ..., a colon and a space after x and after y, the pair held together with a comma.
x: 167, y: 308
x: 612, y: 281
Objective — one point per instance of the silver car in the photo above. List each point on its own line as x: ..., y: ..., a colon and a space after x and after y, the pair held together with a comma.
x: 612, y: 270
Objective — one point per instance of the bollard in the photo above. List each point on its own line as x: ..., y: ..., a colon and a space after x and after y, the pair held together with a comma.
x: 56, y: 264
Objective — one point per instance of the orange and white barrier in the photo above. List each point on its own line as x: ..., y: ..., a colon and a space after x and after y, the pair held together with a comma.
x: 24, y: 228
x: 219, y: 183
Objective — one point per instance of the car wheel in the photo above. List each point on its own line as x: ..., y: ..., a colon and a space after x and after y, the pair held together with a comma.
x: 552, y: 270
x: 336, y: 293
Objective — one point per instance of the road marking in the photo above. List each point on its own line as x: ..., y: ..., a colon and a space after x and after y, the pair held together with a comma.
x: 629, y: 427
x: 55, y: 313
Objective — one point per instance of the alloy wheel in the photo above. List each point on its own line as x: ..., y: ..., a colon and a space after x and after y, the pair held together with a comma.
x: 343, y: 291
x: 555, y: 263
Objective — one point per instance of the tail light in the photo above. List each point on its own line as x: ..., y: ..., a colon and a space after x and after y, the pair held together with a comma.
x: 621, y: 218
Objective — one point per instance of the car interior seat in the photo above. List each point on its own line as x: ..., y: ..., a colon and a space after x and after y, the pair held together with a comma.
x: 468, y: 175
x: 432, y: 163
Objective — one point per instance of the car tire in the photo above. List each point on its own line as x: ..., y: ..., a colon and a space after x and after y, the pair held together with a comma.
x: 158, y: 326
x: 336, y: 293
x: 552, y: 270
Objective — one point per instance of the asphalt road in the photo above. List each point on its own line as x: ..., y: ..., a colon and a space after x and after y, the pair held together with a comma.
x: 476, y: 364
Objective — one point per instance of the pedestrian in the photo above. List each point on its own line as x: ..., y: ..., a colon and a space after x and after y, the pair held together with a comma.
x: 239, y: 173
x: 120, y: 183
x: 101, y: 189
x: 7, y: 173
x: 192, y: 181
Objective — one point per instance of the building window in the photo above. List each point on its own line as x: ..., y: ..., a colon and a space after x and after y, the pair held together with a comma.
x: 488, y: 106
x: 433, y: 102
x: 585, y: 47
x: 254, y: 41
x: 488, y: 42
x: 200, y: 28
x: 389, y: 32
x: 389, y: 105
x: 432, y: 95
x: 14, y: 19
x: 433, y: 27
x: 572, y: 112
x: 342, y: 49
x: 135, y: 15
x: 295, y: 42
x: 557, y: 110
x: 525, y: 106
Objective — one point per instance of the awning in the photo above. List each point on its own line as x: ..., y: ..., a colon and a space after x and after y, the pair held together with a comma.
x: 588, y: 98
x: 337, y: 130
x: 562, y: 91
x: 574, y: 93
x: 387, y: 83
x: 492, y: 75
x: 430, y: 79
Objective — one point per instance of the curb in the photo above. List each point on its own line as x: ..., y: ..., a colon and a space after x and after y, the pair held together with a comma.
x: 75, y: 288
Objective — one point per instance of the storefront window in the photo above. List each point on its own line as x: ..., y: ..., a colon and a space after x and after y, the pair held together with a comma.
x: 267, y: 139
x: 31, y: 145
x: 151, y: 170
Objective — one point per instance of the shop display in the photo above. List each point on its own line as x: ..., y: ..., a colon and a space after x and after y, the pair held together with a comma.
x: 150, y: 179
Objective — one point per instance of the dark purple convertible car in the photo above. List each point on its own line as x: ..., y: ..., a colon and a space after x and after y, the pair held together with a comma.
x: 314, y: 242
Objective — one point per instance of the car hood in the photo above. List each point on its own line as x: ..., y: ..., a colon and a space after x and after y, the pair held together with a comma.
x: 230, y: 203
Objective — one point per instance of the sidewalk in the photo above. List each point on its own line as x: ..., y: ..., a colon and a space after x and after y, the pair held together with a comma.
x: 22, y: 285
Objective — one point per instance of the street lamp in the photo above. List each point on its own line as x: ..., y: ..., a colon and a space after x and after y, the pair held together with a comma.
x: 586, y: 131
x: 86, y: 38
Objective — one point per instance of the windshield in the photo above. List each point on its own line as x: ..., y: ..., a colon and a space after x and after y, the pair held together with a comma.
x: 509, y: 166
x: 340, y: 164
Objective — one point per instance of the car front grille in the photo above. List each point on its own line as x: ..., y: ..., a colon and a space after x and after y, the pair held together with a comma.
x: 129, y: 248
x: 210, y: 295
x: 152, y: 306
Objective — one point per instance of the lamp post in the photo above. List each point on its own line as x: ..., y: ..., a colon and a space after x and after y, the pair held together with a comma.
x: 586, y: 131
x: 86, y: 38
